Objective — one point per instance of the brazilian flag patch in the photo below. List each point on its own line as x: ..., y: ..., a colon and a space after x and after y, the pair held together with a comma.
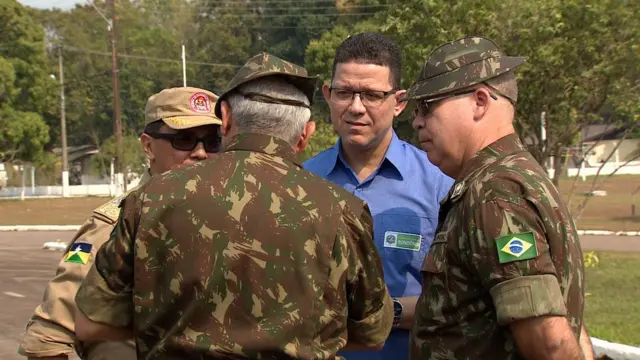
x: 515, y: 247
x: 79, y: 253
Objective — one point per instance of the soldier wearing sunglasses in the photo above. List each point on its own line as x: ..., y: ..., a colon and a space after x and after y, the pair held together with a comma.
x: 181, y: 129
x: 504, y: 277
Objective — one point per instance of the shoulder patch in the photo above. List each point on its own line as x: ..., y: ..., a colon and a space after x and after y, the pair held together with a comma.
x: 79, y: 253
x: 110, y: 210
x: 516, y: 247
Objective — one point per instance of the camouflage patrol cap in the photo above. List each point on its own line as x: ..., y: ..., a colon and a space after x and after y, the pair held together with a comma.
x: 265, y: 64
x: 459, y: 64
x: 182, y: 108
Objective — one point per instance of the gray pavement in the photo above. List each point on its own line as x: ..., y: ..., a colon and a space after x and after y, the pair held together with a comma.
x: 25, y: 269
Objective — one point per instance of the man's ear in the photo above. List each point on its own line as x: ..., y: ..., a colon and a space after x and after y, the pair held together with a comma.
x: 304, y: 138
x: 326, y: 92
x: 400, y: 105
x: 482, y: 100
x: 227, y: 123
x: 146, y: 141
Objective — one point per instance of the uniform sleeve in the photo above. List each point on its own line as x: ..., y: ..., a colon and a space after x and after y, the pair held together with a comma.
x: 370, y: 307
x: 105, y: 296
x: 511, y: 255
x: 50, y: 330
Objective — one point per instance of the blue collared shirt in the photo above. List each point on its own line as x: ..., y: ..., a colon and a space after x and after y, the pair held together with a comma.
x: 403, y: 194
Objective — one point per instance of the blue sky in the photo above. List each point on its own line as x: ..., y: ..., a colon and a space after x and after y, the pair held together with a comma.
x: 49, y: 4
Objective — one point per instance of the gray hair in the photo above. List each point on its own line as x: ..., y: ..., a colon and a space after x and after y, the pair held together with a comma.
x: 285, y: 122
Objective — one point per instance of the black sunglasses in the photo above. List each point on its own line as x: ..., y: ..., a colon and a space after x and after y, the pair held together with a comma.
x: 422, y: 106
x: 187, y: 141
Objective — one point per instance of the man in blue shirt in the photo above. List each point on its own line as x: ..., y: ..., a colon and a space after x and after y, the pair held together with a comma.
x: 403, y: 189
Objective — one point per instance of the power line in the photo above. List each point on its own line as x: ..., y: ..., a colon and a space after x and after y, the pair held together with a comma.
x: 230, y: 2
x: 149, y: 58
x: 101, y: 14
x: 293, y: 8
x: 78, y: 80
x: 295, y: 15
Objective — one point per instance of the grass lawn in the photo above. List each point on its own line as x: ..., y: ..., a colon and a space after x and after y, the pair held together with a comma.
x: 613, y: 298
x: 58, y: 211
x: 611, y: 212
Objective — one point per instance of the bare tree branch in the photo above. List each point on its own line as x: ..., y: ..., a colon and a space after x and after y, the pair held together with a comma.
x: 582, y: 159
x: 595, y: 179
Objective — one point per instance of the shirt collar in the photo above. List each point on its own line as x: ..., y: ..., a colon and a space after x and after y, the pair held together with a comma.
x: 264, y: 144
x: 146, y: 176
x: 395, y: 155
x: 503, y: 147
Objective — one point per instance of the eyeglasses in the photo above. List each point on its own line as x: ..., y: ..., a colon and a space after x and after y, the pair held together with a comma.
x: 369, y: 98
x: 187, y: 141
x: 422, y: 106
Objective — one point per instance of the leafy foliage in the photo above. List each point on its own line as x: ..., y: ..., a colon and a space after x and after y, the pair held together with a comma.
x: 583, y: 67
x: 583, y: 56
x: 24, y: 96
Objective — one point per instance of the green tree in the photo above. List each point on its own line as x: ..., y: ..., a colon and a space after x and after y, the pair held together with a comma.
x: 134, y: 156
x: 583, y: 56
x: 25, y: 85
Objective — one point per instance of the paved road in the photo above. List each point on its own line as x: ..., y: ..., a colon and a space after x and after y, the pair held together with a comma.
x: 25, y: 269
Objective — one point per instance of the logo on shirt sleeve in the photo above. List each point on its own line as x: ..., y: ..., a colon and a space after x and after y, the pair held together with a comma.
x: 515, y: 247
x: 79, y: 253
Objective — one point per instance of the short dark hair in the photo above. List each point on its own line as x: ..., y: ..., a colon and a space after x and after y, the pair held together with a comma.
x: 153, y: 127
x: 371, y: 48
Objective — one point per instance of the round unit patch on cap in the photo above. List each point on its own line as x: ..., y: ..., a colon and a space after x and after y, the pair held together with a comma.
x: 182, y: 108
x: 199, y: 103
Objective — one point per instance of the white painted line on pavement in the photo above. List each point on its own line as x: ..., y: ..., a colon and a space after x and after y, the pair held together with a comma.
x: 12, y: 294
x: 40, y: 227
x: 55, y: 245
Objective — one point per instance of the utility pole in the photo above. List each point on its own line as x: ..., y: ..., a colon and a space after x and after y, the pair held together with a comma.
x: 63, y: 128
x: 543, y: 139
x: 117, y: 122
x: 184, y: 67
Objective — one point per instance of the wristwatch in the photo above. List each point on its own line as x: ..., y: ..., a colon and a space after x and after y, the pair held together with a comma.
x: 397, y: 312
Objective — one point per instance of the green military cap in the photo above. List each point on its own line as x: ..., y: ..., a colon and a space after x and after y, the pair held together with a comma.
x: 459, y: 64
x: 265, y: 64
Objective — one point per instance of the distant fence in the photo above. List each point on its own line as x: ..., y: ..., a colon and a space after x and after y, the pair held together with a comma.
x: 109, y: 189
x: 607, y: 169
x: 56, y: 191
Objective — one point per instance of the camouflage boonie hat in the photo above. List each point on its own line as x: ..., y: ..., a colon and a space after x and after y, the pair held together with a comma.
x: 265, y: 64
x: 182, y: 108
x: 459, y: 64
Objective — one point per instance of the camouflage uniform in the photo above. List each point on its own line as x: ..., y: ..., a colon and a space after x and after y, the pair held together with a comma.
x: 245, y: 255
x: 506, y: 247
x: 50, y: 331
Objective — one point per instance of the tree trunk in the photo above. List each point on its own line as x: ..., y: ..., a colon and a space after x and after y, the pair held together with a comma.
x: 559, y: 166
